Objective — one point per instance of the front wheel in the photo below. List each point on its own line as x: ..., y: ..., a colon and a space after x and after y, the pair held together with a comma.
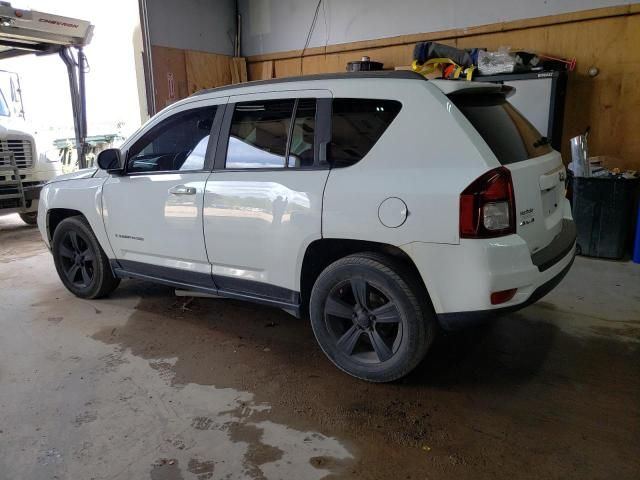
x: 81, y: 264
x: 30, y: 218
x: 371, y: 318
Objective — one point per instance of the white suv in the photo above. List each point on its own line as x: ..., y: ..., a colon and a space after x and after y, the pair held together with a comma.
x: 380, y: 203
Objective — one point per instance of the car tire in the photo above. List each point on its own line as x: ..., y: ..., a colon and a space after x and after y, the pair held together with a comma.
x: 30, y: 218
x: 81, y: 263
x: 371, y: 317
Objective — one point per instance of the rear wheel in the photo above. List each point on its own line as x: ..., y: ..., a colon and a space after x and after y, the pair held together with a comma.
x: 81, y: 264
x: 30, y: 218
x: 369, y: 318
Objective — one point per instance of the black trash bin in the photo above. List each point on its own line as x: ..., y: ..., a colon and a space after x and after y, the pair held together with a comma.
x: 603, y: 209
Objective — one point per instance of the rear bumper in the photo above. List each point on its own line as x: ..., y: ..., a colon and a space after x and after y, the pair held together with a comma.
x: 460, y: 278
x: 461, y: 320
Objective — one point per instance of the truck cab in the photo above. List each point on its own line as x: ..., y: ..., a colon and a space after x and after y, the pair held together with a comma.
x: 24, y: 169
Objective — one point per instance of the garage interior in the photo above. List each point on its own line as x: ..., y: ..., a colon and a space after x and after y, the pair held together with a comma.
x: 147, y: 384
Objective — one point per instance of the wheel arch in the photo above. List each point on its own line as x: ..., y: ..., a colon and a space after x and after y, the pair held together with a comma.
x: 323, y: 252
x: 57, y: 215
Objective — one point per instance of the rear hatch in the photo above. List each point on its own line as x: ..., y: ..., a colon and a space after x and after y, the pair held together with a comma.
x: 536, y: 169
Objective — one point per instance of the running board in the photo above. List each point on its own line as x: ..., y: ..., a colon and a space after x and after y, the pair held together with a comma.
x: 289, y: 307
x: 192, y: 293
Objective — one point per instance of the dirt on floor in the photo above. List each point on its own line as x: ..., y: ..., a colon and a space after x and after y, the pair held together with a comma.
x: 550, y: 392
x: 518, y: 398
x: 17, y: 239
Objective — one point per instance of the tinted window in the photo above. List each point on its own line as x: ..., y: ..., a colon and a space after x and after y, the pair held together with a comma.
x: 507, y: 132
x: 4, y: 108
x: 177, y: 143
x: 357, y: 124
x: 301, y: 150
x: 259, y: 133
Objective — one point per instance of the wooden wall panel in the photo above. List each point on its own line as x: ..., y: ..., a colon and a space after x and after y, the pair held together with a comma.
x: 170, y: 75
x: 597, y: 102
x: 287, y: 68
x: 254, y: 70
x: 179, y: 73
x: 606, y: 38
x: 207, y: 70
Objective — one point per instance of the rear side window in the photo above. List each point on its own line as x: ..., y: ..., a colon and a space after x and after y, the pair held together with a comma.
x: 259, y: 134
x: 302, y: 143
x: 507, y: 132
x: 357, y: 124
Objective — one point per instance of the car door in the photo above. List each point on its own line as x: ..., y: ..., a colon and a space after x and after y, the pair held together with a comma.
x: 263, y: 201
x: 153, y: 212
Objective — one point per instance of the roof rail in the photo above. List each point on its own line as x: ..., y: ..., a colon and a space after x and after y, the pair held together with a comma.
x: 396, y: 74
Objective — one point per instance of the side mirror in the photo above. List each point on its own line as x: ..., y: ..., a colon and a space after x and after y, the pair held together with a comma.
x: 110, y: 160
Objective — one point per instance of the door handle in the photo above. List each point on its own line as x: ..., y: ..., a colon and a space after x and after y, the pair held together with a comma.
x: 182, y: 190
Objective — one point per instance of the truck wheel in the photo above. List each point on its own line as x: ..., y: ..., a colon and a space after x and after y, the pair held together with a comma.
x: 81, y: 264
x: 30, y: 218
x: 370, y: 317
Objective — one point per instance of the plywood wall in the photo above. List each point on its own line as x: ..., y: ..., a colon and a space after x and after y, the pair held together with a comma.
x: 170, y: 76
x: 207, y: 70
x: 178, y: 73
x: 606, y: 38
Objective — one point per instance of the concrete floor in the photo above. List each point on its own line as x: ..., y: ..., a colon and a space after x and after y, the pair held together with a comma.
x: 145, y: 385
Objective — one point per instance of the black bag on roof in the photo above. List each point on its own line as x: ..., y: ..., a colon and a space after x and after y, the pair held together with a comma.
x: 424, y: 51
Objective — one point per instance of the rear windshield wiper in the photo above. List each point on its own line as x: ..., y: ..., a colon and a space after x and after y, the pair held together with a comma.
x: 541, y: 141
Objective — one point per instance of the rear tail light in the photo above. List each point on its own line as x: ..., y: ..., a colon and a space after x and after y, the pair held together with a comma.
x: 488, y: 207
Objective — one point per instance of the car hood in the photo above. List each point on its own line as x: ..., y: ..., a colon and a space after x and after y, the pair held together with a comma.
x: 79, y: 175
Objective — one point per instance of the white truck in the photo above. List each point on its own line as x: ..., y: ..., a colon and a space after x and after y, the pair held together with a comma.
x: 23, y: 170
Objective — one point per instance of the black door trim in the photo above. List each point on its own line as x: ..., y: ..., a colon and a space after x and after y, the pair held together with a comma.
x: 237, y: 288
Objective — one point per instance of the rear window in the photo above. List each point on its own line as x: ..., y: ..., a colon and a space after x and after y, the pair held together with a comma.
x: 507, y: 132
x: 357, y: 124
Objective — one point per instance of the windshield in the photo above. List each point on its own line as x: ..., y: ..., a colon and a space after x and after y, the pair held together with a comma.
x: 507, y: 132
x: 4, y: 108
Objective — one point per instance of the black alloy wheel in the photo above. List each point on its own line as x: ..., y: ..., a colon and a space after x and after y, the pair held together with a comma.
x: 371, y: 316
x: 364, y: 321
x: 77, y: 259
x: 81, y: 263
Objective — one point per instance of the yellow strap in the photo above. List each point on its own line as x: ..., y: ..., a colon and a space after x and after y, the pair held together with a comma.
x: 470, y: 72
x: 432, y: 64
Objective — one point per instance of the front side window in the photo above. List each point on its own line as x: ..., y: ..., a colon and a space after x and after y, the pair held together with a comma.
x: 178, y: 143
x: 259, y: 134
x: 357, y: 124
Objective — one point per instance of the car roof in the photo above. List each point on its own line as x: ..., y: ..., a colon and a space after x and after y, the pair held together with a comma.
x: 446, y: 86
x: 380, y: 74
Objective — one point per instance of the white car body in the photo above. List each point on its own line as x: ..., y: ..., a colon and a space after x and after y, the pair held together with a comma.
x: 247, y: 233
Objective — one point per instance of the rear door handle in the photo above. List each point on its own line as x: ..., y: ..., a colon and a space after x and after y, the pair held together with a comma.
x: 182, y: 190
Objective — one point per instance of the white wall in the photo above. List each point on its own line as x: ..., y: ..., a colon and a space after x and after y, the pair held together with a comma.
x: 205, y: 25
x: 279, y: 25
